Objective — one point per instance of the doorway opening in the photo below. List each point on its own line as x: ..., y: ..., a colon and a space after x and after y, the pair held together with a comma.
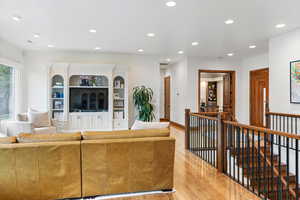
x: 167, y: 90
x: 259, y: 96
x: 216, y: 91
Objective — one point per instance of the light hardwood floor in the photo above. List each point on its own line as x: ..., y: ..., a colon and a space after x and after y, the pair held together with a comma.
x: 196, y: 180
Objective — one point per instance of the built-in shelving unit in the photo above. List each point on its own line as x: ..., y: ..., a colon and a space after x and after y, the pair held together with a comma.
x: 57, y: 96
x: 119, y: 100
x: 94, y: 96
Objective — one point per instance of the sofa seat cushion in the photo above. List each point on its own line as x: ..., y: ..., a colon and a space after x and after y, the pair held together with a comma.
x: 8, y: 140
x: 57, y: 137
x: 45, y: 130
x: 95, y: 135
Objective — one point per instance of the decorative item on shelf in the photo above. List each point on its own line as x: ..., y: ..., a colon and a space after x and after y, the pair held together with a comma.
x: 93, y: 81
x: 84, y: 81
x: 212, y: 91
x: 59, y: 84
x: 58, y: 105
x: 119, y: 115
x: 116, y: 95
x: 142, y: 98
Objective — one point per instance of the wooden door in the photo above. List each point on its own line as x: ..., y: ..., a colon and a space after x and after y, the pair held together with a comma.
x: 259, y: 96
x: 167, y: 97
x: 227, y: 94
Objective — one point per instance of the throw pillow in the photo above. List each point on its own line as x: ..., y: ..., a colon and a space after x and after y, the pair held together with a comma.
x: 39, y: 119
x: 149, y: 125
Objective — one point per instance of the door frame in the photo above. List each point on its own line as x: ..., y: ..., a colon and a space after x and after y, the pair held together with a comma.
x: 250, y: 89
x: 165, y: 99
x: 233, y: 94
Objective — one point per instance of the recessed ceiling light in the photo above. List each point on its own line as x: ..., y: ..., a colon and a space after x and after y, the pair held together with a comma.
x: 195, y: 43
x: 50, y: 45
x: 252, y: 46
x: 171, y: 3
x: 36, y: 35
x: 180, y: 52
x: 93, y: 30
x: 168, y: 60
x: 97, y: 48
x: 151, y: 34
x: 280, y: 25
x: 17, y: 18
x: 229, y: 21
x: 140, y: 50
x: 230, y: 54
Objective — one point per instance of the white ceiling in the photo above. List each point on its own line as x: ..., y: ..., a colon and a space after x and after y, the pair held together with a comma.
x: 122, y: 25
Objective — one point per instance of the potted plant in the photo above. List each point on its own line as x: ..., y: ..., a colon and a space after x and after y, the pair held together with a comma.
x: 142, y: 98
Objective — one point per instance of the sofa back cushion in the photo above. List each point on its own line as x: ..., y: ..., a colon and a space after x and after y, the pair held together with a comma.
x: 95, y: 135
x: 8, y: 140
x: 57, y: 137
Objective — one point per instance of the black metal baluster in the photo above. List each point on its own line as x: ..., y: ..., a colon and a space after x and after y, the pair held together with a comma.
x: 288, y: 166
x: 230, y: 150
x: 272, y: 163
x: 297, y: 170
x: 210, y: 142
x: 248, y: 159
x: 253, y: 161
x: 243, y: 156
x: 279, y: 189
x: 238, y: 153
x: 214, y: 142
x: 258, y: 167
x: 200, y: 138
x: 235, y: 151
x: 266, y: 184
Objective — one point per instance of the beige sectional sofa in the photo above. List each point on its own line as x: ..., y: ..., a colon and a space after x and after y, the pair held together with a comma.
x: 58, y: 166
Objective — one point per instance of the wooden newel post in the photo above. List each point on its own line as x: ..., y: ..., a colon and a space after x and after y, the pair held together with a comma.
x: 221, y: 145
x: 187, y: 128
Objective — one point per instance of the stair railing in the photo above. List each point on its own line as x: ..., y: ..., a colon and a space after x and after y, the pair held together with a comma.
x: 262, y: 160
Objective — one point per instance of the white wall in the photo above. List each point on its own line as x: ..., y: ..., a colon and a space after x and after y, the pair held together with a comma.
x: 162, y: 94
x: 184, y: 82
x: 143, y: 70
x: 282, y: 50
x: 243, y: 87
x: 178, y: 74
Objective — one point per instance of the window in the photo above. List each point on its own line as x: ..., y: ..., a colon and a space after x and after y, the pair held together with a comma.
x: 6, y: 91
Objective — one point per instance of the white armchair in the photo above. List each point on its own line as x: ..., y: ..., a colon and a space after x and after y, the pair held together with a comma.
x: 22, y: 125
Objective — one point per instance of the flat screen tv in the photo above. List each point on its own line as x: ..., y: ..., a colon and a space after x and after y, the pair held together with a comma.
x: 88, y: 100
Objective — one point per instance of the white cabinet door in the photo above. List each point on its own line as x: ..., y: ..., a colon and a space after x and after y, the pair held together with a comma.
x: 90, y: 121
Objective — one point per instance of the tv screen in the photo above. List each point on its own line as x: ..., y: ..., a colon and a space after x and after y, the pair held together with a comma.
x: 88, y: 100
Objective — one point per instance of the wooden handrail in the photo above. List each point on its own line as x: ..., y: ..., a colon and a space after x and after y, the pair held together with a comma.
x: 283, y: 114
x: 264, y: 130
x: 203, y: 116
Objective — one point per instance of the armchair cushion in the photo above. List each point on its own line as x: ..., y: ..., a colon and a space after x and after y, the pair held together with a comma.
x: 58, y: 137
